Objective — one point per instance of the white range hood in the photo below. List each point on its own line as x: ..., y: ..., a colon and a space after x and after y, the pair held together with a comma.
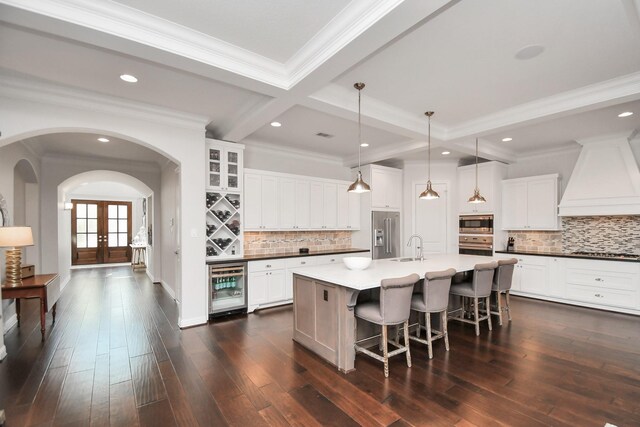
x: 605, y: 180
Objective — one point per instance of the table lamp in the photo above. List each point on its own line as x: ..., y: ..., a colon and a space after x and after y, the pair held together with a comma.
x: 15, y: 238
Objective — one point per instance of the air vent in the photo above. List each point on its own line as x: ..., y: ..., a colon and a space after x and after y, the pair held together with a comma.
x: 324, y: 135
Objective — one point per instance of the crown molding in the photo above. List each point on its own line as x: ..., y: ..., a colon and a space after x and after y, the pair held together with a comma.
x: 100, y: 162
x: 53, y: 94
x: 540, y: 154
x: 255, y: 145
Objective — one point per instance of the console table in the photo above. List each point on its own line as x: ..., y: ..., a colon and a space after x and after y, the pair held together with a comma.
x: 40, y: 286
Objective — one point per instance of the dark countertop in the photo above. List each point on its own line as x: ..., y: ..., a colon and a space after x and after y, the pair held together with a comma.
x: 287, y: 255
x: 564, y: 255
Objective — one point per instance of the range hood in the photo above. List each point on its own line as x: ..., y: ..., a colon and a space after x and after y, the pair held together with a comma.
x: 605, y: 180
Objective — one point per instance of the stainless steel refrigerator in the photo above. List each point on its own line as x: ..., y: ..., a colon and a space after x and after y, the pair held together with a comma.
x: 385, y: 234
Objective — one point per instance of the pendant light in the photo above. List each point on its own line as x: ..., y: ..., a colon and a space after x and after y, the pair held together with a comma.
x: 477, y: 198
x: 359, y: 186
x: 429, y: 193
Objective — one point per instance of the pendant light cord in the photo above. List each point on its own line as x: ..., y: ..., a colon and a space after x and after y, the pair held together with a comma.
x: 476, y: 164
x: 359, y: 130
x: 429, y: 151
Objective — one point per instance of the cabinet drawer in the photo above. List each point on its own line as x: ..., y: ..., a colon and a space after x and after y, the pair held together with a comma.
x: 330, y: 259
x: 602, y: 279
x: 266, y: 265
x: 602, y: 296
x: 300, y: 262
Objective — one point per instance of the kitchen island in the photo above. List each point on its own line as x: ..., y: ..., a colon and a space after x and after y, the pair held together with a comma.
x: 324, y: 298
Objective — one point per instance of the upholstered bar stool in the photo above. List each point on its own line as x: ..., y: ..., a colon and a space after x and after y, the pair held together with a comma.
x: 393, y: 308
x: 433, y: 299
x: 502, y: 285
x: 479, y: 288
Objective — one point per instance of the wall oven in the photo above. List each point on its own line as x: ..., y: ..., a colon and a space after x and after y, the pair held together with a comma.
x: 227, y: 289
x: 476, y: 224
x: 475, y: 245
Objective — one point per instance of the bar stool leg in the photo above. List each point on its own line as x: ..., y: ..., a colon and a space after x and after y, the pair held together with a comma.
x: 477, y: 315
x: 427, y: 318
x: 406, y: 342
x: 488, y: 303
x: 385, y: 351
x: 508, y: 306
x: 499, y: 295
x: 444, y: 330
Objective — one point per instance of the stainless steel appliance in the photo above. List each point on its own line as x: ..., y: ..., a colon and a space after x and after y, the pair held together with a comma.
x: 475, y: 245
x: 476, y: 224
x: 227, y: 289
x: 385, y: 234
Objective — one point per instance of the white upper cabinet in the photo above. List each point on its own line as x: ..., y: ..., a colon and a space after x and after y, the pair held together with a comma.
x: 276, y: 201
x: 489, y: 176
x: 530, y: 203
x: 386, y: 187
x: 224, y: 166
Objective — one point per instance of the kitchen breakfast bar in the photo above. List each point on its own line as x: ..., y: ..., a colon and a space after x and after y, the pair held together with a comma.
x: 324, y: 298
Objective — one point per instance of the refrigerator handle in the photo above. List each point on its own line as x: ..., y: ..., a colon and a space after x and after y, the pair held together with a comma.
x: 387, y: 235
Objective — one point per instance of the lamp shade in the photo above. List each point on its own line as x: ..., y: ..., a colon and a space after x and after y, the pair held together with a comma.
x: 15, y: 237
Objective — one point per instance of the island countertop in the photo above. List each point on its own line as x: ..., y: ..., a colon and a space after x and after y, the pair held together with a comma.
x: 371, y: 277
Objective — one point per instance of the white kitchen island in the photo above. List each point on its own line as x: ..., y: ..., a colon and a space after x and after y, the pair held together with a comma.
x: 324, y: 298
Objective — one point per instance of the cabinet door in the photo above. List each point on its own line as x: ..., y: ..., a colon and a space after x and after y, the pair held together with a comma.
x: 232, y: 170
x: 329, y: 195
x: 353, y: 210
x: 214, y: 168
x: 514, y: 205
x: 557, y: 278
x: 269, y: 202
x: 302, y: 204
x: 534, y: 279
x: 466, y: 185
x: 394, y: 190
x: 378, y: 189
x: 253, y: 199
x: 316, y: 210
x: 342, y: 198
x: 542, y: 204
x: 258, y: 286
x: 288, y: 202
x: 276, y: 290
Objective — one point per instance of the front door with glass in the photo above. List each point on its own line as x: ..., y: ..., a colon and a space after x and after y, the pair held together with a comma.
x: 100, y: 232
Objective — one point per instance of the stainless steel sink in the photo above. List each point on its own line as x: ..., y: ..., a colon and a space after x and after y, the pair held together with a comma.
x: 409, y: 259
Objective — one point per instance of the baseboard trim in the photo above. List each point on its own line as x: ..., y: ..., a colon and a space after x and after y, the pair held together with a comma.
x: 167, y: 288
x: 150, y: 276
x: 3, y: 352
x: 10, y: 322
x: 194, y: 321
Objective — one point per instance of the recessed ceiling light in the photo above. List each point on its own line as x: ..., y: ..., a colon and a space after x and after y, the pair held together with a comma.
x: 507, y: 139
x: 364, y: 144
x: 446, y: 153
x: 129, y: 78
x: 626, y: 114
x: 529, y: 52
x: 103, y: 139
x: 276, y: 124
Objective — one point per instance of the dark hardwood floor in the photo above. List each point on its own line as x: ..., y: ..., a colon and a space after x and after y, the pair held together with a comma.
x: 115, y: 357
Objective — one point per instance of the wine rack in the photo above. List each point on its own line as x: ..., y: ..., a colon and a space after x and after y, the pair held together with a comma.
x: 224, y: 227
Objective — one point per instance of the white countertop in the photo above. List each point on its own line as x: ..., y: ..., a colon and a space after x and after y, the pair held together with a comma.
x: 371, y: 277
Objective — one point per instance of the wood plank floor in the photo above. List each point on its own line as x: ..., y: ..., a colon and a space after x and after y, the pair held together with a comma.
x: 115, y: 357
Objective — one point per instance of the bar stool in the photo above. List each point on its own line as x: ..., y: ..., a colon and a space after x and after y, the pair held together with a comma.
x: 393, y: 308
x: 478, y: 288
x: 433, y: 299
x: 502, y: 285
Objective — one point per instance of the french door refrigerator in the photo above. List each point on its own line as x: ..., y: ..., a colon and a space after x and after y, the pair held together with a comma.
x: 385, y: 234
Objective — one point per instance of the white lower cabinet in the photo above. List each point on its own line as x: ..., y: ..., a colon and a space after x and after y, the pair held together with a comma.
x: 611, y: 285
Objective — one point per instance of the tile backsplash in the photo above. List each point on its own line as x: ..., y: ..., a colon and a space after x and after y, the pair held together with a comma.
x: 271, y: 242
x: 617, y: 234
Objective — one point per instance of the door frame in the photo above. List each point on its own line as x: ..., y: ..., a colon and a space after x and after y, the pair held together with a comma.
x: 448, y: 207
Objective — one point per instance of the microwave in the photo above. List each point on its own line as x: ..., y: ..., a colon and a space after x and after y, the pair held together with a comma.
x: 476, y: 224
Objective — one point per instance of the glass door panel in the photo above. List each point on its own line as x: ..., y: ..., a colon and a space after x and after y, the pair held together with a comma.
x: 233, y: 164
x: 215, y: 170
x: 85, y: 233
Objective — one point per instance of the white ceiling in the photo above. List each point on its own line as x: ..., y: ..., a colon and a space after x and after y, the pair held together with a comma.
x: 245, y: 63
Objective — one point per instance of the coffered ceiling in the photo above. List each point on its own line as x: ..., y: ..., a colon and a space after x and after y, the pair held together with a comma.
x: 244, y: 63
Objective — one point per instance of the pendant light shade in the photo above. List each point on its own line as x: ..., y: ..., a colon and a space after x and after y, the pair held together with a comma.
x: 429, y: 193
x: 359, y: 186
x: 477, y: 198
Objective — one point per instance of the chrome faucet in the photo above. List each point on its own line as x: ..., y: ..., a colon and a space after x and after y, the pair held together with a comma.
x: 419, y: 254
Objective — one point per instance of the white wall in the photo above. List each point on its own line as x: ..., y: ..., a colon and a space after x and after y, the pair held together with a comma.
x: 562, y: 163
x: 308, y: 164
x: 167, y: 227
x: 441, y: 172
x: 30, y: 108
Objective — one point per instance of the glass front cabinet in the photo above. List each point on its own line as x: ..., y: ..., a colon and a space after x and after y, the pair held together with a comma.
x: 224, y: 200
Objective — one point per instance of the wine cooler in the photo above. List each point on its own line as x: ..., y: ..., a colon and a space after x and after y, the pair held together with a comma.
x: 227, y: 289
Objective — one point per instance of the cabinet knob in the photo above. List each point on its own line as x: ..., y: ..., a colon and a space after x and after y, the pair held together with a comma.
x: 303, y: 262
x: 599, y: 279
x: 268, y: 265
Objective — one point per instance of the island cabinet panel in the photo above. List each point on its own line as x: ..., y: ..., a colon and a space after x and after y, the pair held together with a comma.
x: 316, y: 317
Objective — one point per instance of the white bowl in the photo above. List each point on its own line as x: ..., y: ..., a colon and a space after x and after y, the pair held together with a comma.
x: 356, y: 262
